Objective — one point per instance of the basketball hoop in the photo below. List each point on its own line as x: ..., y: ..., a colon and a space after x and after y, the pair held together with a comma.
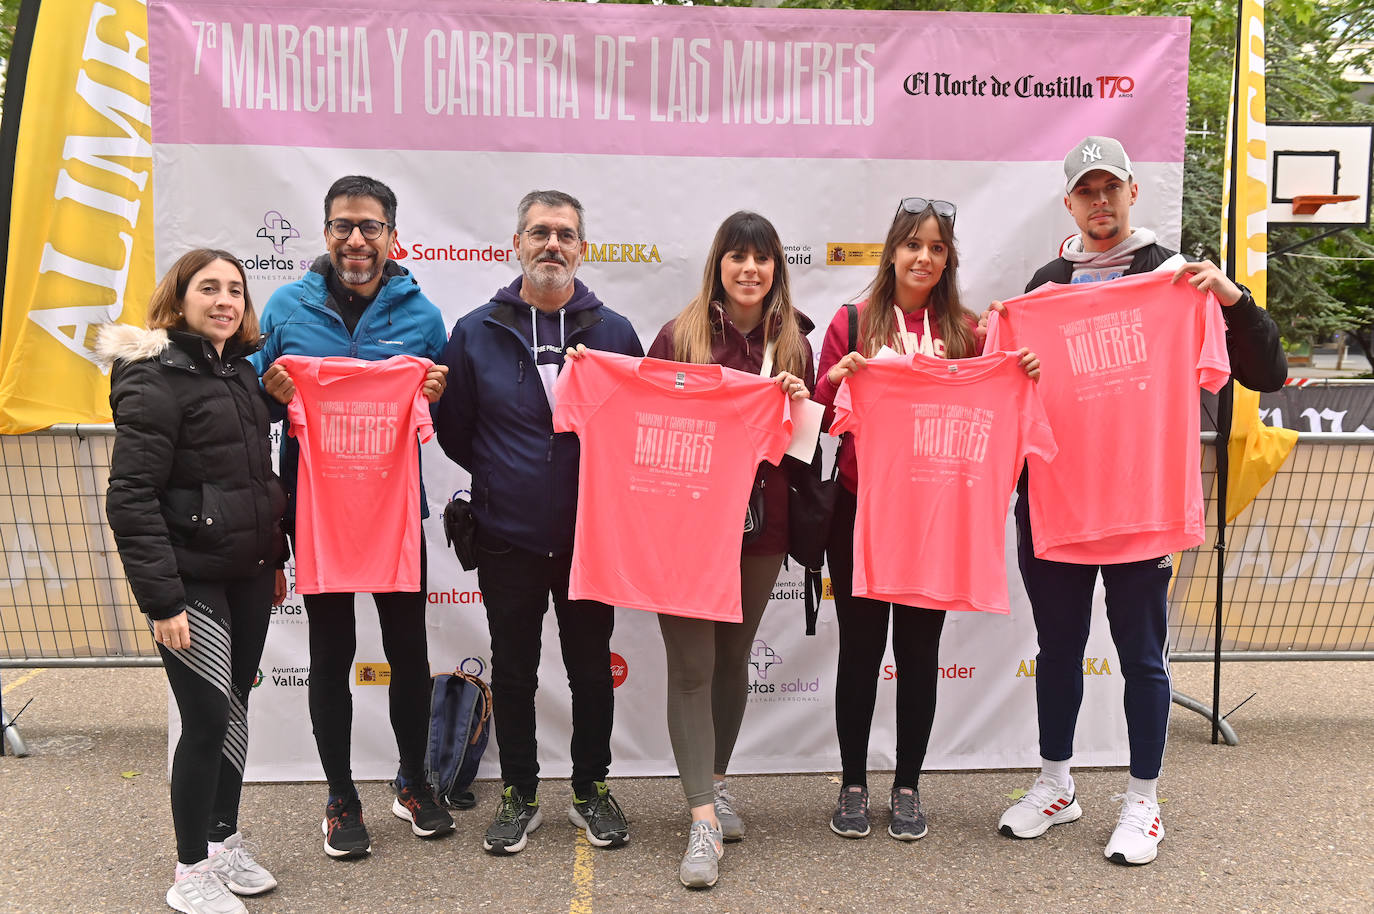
x: 1307, y: 204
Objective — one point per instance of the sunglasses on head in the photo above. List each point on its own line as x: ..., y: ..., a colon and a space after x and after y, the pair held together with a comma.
x: 918, y: 205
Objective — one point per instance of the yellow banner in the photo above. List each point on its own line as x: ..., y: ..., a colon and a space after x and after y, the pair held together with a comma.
x: 1255, y: 450
x: 81, y: 226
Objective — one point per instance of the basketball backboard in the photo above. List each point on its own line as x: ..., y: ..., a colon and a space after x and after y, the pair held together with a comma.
x: 1319, y: 173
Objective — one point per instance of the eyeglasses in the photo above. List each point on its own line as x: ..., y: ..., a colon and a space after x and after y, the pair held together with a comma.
x: 918, y: 205
x: 343, y: 228
x: 567, y: 238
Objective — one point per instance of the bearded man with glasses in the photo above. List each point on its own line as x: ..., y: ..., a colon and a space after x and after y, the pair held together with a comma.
x: 496, y: 421
x: 354, y: 301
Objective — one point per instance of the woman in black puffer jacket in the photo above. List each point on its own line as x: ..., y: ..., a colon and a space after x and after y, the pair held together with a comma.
x: 195, y: 510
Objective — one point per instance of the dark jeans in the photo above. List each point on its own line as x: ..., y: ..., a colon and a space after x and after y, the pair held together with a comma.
x: 1061, y: 596
x: 863, y: 640
x: 333, y: 644
x: 516, y: 586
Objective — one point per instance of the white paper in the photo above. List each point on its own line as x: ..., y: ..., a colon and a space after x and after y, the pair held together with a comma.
x: 806, y: 429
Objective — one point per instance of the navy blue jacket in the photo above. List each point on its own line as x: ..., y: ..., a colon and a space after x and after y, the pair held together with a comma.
x: 494, y: 418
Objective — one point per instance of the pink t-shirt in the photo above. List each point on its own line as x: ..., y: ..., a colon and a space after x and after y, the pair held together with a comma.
x: 358, y: 492
x: 1121, y: 364
x: 939, y: 446
x: 669, y: 452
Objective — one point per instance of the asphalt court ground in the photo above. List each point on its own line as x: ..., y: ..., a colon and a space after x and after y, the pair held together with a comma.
x: 1283, y: 822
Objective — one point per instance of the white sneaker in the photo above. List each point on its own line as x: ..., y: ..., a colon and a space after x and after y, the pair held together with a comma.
x: 1138, y: 831
x: 237, y: 869
x: 201, y: 892
x: 1047, y: 803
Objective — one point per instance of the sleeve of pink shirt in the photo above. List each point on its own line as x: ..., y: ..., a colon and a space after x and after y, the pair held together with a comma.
x: 845, y: 420
x: 1037, y: 437
x: 1213, y: 364
x: 420, y: 415
x: 998, y: 330
x: 569, y: 394
x: 777, y: 426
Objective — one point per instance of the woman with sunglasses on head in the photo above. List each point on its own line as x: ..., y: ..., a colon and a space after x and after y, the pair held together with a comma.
x: 912, y: 305
x: 741, y: 318
x: 195, y: 510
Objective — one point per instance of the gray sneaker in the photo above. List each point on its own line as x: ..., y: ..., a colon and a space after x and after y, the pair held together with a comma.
x: 731, y: 825
x: 851, y: 813
x: 701, y: 864
x: 237, y: 869
x: 908, y: 821
x: 201, y: 892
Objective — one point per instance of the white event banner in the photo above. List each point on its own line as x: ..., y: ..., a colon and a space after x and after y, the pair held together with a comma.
x: 662, y: 121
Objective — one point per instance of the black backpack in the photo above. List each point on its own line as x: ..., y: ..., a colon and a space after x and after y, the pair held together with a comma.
x: 459, y: 727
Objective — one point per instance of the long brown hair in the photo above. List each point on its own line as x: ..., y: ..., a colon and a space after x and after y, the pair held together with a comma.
x: 878, y: 325
x: 164, y: 308
x: 742, y: 231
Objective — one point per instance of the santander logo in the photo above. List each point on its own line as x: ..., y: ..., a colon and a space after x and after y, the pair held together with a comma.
x: 397, y: 252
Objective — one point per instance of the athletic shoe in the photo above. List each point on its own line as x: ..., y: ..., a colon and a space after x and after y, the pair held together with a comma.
x: 1047, y: 803
x: 201, y: 892
x: 908, y: 821
x: 345, y: 835
x: 237, y: 869
x: 416, y: 804
x: 700, y: 866
x: 514, y: 821
x: 600, y: 818
x: 731, y: 825
x: 1135, y: 841
x: 851, y: 813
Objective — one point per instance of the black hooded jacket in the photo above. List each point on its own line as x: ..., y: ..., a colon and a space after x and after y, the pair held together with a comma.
x: 192, y: 492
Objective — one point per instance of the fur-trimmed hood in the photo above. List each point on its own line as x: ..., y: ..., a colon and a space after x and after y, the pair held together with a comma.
x: 132, y: 344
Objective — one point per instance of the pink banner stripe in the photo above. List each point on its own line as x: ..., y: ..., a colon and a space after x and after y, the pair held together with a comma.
x: 586, y: 79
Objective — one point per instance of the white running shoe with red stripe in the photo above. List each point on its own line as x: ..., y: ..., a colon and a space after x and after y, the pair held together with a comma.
x: 1135, y: 842
x: 1047, y: 803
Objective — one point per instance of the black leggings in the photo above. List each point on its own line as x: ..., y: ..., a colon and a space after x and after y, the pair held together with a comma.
x: 863, y: 640
x: 333, y: 644
x: 210, y: 681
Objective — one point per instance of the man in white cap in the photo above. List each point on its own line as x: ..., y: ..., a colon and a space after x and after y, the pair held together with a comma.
x: 1099, y: 192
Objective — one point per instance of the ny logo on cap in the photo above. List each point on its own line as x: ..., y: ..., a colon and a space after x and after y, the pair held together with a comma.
x: 1092, y: 152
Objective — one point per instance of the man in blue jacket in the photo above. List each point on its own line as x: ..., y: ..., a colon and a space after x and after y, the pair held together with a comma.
x: 496, y: 421
x: 355, y: 302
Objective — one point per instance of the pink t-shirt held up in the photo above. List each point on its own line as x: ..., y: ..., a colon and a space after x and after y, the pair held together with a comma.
x: 1121, y: 364
x: 359, y: 424
x: 669, y: 452
x: 939, y: 446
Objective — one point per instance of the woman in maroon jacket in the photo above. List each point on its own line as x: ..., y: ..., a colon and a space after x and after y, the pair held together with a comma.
x: 741, y: 318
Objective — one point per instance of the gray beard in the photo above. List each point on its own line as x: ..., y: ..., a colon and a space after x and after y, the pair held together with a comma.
x: 355, y: 277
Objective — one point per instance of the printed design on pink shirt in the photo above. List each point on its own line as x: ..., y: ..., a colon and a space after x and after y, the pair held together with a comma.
x: 1103, y: 347
x: 949, y: 437
x: 361, y: 429
x: 675, y: 445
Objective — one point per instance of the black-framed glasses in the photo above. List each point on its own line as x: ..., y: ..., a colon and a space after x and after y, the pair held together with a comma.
x: 567, y: 238
x: 918, y: 205
x: 343, y: 228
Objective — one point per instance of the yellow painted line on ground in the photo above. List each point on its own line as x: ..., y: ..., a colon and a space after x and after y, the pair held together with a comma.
x: 583, y: 868
x: 21, y: 680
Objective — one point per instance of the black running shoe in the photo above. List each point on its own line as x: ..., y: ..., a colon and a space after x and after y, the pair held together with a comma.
x: 345, y: 835
x: 516, y: 818
x: 417, y: 805
x: 600, y: 817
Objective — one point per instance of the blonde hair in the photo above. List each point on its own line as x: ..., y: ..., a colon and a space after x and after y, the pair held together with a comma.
x: 878, y: 325
x: 164, y: 308
x: 743, y: 231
